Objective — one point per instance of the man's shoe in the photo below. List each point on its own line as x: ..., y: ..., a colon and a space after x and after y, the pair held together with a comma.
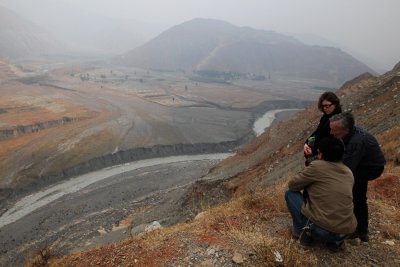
x: 294, y: 235
x: 353, y: 236
x: 306, y: 239
x: 363, y: 237
x: 335, y: 247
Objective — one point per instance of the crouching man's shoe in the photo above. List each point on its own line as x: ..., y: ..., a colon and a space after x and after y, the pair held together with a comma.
x: 335, y: 246
x: 362, y: 237
x: 306, y: 240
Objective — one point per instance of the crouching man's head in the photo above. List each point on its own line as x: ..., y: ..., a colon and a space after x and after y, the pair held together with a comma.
x: 331, y: 149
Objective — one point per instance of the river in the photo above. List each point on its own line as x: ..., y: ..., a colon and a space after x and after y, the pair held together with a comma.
x: 266, y: 120
x: 42, y: 198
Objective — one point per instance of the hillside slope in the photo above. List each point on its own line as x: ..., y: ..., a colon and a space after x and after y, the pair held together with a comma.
x: 8, y: 71
x: 213, y: 46
x: 251, y: 229
x: 83, y: 31
x: 21, y: 38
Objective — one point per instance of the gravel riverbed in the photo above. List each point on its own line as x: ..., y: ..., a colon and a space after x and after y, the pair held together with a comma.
x: 102, y: 211
x: 102, y: 206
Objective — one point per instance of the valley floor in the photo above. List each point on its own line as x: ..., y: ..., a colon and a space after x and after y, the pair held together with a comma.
x: 102, y: 212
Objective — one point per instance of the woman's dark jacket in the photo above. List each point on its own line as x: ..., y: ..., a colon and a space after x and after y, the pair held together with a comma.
x: 323, y: 129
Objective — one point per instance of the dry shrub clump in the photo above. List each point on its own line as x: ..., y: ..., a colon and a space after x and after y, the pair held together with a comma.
x: 41, y: 257
x: 269, y: 200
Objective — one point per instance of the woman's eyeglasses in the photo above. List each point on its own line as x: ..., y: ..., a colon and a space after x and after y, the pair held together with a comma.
x: 326, y: 106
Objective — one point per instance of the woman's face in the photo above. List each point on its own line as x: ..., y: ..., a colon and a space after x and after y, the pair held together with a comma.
x: 327, y: 107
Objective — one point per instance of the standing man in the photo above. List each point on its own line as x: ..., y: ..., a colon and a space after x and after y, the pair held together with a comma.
x: 364, y: 157
x: 325, y: 207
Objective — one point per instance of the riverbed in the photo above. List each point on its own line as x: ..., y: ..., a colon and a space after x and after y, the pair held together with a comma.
x: 73, y: 212
x: 268, y: 118
x: 39, y: 199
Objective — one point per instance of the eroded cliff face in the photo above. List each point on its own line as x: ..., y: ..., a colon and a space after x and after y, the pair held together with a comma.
x: 141, y: 153
x: 121, y: 157
x: 19, y: 130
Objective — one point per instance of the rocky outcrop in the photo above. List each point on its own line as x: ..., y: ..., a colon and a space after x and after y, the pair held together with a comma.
x: 357, y: 80
x: 396, y: 67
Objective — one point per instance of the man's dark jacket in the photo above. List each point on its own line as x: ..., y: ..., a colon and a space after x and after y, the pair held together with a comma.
x: 362, y: 150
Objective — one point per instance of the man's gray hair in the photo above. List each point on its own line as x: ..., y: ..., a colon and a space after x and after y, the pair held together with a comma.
x: 346, y: 120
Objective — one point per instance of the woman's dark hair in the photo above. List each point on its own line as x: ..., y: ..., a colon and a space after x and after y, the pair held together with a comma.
x: 332, y: 149
x: 331, y: 97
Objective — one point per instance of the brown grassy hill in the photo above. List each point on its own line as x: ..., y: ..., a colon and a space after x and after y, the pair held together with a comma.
x: 250, y: 225
x: 209, y: 45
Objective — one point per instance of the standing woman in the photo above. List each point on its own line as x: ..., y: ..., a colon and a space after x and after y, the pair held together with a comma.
x: 329, y: 104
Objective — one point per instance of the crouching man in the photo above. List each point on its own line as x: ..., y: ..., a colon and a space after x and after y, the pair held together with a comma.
x: 323, y: 211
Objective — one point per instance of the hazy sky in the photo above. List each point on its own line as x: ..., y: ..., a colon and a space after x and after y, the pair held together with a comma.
x: 368, y: 27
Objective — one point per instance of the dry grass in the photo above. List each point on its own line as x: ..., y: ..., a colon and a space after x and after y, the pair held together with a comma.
x: 390, y: 141
x: 256, y: 226
x: 42, y: 256
x: 261, y: 231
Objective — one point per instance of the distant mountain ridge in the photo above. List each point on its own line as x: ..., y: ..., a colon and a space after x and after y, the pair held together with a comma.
x: 84, y: 31
x: 21, y: 39
x: 213, y: 45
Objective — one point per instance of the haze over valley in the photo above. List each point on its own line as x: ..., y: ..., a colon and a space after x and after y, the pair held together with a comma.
x: 86, y: 93
x: 202, y: 81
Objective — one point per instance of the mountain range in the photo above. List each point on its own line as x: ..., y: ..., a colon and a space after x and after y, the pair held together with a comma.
x: 202, y: 46
x: 21, y: 38
x: 82, y: 31
x: 208, y: 45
